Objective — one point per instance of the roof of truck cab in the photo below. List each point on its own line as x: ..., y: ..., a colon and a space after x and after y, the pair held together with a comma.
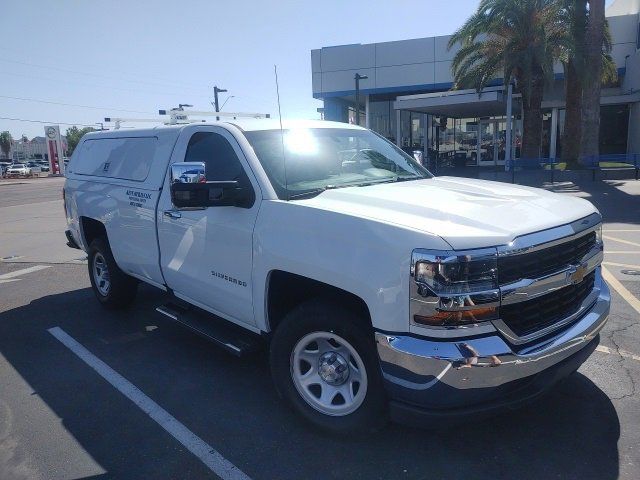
x: 244, y: 124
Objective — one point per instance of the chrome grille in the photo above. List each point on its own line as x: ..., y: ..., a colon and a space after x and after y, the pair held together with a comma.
x: 539, y: 263
x: 528, y: 317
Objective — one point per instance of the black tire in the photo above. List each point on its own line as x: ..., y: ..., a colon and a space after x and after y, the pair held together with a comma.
x: 325, y: 316
x: 122, y: 289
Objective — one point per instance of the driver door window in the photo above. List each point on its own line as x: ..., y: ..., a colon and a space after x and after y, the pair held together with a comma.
x: 216, y: 152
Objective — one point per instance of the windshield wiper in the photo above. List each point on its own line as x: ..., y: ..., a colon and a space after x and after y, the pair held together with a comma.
x: 308, y: 194
x: 318, y: 191
x: 408, y: 179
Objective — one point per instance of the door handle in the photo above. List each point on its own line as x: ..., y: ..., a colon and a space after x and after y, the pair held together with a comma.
x: 172, y: 214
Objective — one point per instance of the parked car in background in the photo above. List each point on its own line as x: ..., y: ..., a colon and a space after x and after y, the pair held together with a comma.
x: 3, y: 168
x: 23, y: 170
x: 44, y: 166
x: 35, y: 167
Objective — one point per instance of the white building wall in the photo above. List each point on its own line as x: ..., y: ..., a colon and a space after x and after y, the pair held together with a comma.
x: 426, y: 62
x: 623, y: 7
x: 417, y: 62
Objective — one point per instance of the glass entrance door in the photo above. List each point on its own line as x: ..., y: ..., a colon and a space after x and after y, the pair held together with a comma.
x: 487, y: 143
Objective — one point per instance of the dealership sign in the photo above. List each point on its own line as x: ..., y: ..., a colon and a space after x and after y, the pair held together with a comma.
x: 54, y: 149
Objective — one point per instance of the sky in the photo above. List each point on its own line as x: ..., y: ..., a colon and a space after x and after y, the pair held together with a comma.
x: 110, y: 58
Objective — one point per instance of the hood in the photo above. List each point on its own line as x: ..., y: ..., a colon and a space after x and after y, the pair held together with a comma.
x: 466, y: 213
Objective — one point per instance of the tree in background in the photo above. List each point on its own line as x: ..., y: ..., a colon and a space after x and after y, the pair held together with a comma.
x: 74, y: 134
x: 517, y: 39
x: 5, y: 143
x: 571, y: 52
x: 592, y: 78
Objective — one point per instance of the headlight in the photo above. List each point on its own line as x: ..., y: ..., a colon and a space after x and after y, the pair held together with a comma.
x: 453, y: 273
x: 598, y: 231
x: 455, y: 288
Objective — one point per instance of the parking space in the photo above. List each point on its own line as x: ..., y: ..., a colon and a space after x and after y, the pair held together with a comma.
x: 61, y: 417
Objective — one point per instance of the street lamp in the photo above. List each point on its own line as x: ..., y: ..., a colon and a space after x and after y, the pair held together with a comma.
x: 226, y: 100
x: 217, y: 90
x: 358, y: 77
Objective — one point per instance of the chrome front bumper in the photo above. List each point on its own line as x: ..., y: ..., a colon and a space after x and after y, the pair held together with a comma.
x: 448, y: 374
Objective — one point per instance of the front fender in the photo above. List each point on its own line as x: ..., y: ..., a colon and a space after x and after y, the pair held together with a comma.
x: 368, y: 258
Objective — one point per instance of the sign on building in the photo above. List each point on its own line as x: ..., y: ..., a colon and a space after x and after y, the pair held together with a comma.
x: 54, y: 149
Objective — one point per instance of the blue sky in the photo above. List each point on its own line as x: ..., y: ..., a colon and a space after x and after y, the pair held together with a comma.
x: 144, y: 55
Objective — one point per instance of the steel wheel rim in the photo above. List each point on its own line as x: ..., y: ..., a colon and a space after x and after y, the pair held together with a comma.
x: 101, y: 274
x: 325, y: 386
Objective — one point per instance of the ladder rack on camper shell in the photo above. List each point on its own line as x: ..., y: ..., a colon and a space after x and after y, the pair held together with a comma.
x: 179, y: 116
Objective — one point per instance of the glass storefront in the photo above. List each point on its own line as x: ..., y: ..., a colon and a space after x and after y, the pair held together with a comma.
x: 412, y: 130
x: 614, y: 128
x: 382, y: 119
x: 472, y: 141
x: 482, y: 141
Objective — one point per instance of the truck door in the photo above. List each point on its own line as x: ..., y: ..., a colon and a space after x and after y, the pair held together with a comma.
x: 206, y: 254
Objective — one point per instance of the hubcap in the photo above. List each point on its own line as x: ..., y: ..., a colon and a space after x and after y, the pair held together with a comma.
x: 333, y: 368
x: 328, y: 373
x: 101, y: 274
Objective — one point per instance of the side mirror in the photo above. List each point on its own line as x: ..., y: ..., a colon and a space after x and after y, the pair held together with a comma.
x: 190, y: 189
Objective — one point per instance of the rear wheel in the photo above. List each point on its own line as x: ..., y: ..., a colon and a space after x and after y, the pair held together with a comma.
x: 324, y: 363
x: 112, y: 287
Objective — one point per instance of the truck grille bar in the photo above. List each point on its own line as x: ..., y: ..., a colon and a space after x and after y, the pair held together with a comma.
x: 528, y: 317
x: 542, y: 262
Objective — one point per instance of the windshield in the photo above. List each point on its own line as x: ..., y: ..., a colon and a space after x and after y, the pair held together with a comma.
x: 318, y: 159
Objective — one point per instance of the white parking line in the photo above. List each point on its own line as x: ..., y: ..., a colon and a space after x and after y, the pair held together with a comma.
x: 621, y: 289
x: 207, y: 454
x: 622, y: 353
x: 6, y: 277
x: 620, y: 240
x: 623, y: 265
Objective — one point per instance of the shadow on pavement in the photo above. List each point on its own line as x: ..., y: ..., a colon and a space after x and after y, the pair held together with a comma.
x: 230, y: 403
x: 615, y: 205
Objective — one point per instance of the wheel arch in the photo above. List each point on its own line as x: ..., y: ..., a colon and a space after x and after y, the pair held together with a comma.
x: 286, y: 290
x: 90, y: 229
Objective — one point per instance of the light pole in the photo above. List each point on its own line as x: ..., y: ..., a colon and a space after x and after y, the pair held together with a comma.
x: 226, y: 100
x: 217, y: 90
x: 358, y: 77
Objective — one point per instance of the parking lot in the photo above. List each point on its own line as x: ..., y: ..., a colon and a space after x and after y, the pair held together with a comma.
x: 87, y: 393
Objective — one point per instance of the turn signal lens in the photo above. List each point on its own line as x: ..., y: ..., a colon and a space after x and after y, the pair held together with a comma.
x: 464, y: 317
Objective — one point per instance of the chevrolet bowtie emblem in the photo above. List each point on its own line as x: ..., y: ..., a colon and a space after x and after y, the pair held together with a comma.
x: 577, y: 273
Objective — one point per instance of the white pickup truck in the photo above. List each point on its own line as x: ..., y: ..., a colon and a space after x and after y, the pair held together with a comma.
x: 381, y: 291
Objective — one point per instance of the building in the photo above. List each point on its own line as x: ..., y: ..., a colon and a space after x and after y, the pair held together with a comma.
x: 407, y: 97
x: 24, y: 149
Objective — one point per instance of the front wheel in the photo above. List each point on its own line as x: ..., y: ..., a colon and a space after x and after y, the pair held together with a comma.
x: 324, y: 363
x: 112, y: 287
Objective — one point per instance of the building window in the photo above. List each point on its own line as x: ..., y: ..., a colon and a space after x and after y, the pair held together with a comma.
x: 614, y: 126
x: 382, y: 119
x: 546, y: 134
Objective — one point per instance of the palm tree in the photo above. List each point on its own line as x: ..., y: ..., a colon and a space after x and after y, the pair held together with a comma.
x: 572, y: 55
x: 595, y: 33
x: 515, y: 38
x: 5, y: 143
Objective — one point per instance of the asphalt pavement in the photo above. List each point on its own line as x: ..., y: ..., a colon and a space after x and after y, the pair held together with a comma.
x: 133, y: 395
